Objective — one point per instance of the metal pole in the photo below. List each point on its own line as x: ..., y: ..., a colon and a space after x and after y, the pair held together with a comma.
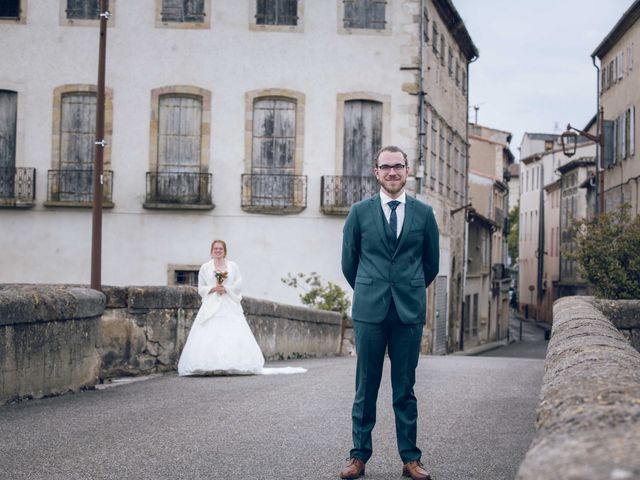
x: 98, y: 178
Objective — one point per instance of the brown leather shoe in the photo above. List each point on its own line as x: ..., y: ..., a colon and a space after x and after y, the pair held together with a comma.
x: 354, y: 469
x: 415, y: 470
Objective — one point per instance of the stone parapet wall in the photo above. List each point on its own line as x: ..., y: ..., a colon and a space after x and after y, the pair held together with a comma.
x: 48, y: 338
x: 55, y: 339
x: 144, y: 329
x: 588, y: 424
x: 625, y: 315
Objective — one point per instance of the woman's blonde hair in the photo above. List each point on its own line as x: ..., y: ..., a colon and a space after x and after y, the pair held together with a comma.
x: 224, y: 245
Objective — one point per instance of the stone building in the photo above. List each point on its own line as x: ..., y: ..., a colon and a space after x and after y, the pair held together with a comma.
x: 619, y: 98
x: 487, y: 284
x: 251, y: 121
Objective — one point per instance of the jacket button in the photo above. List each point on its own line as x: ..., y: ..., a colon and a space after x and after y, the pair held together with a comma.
x: 393, y: 284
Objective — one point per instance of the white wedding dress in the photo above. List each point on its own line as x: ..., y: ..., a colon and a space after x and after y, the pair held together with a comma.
x: 220, y: 341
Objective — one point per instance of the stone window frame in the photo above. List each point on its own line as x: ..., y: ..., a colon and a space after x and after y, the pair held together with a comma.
x: 342, y: 98
x: 22, y: 18
x: 172, y: 268
x: 299, y: 28
x: 184, y: 25
x: 205, y: 128
x: 58, y: 93
x: 387, y: 31
x: 69, y: 22
x: 293, y: 95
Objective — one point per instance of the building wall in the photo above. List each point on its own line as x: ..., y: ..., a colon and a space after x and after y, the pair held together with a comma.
x: 229, y: 58
x: 619, y: 94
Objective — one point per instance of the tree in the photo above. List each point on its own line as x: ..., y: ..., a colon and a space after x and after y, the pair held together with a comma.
x: 512, y: 239
x: 608, y: 253
x: 318, y: 293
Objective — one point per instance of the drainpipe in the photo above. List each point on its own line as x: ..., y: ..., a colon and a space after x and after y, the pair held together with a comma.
x: 421, y: 95
x: 599, y: 151
x: 465, y: 202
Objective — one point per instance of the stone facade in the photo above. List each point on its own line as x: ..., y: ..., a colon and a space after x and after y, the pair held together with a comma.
x: 588, y: 424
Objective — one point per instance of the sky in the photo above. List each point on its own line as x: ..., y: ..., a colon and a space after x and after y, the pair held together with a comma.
x: 534, y: 72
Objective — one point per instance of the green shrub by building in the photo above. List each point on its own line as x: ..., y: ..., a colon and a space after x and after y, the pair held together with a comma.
x: 608, y: 253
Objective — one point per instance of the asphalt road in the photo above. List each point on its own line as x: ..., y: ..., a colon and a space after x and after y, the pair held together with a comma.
x: 476, y: 421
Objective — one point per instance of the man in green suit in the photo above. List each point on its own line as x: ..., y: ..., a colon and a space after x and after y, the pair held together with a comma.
x: 390, y: 255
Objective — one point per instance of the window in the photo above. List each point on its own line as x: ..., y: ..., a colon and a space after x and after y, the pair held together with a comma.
x: 474, y: 318
x: 449, y: 160
x: 274, y: 153
x: 276, y: 12
x: 10, y: 9
x: 183, y: 13
x: 435, y: 38
x: 443, y: 50
x: 8, y: 117
x: 463, y: 82
x: 369, y: 14
x: 178, y: 175
x: 425, y: 25
x: 362, y: 136
x: 434, y: 158
x: 186, y: 277
x: 457, y: 72
x: 70, y: 180
x: 83, y: 9
x: 450, y: 62
x: 441, y: 154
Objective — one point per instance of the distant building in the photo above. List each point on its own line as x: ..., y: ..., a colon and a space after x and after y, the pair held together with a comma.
x: 254, y: 121
x: 488, y: 279
x: 541, y: 199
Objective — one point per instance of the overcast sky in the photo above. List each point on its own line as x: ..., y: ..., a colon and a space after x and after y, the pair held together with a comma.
x: 534, y: 72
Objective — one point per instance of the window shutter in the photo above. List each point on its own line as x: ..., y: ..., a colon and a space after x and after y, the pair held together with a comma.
x: 609, y: 143
x: 274, y: 127
x: 194, y: 11
x: 83, y: 9
x: 632, y: 130
x: 179, y: 133
x: 8, y: 115
x: 77, y: 131
x: 362, y: 136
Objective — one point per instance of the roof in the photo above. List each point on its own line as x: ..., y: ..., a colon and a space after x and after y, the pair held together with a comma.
x: 627, y: 20
x: 543, y: 136
x: 456, y: 26
x: 575, y: 163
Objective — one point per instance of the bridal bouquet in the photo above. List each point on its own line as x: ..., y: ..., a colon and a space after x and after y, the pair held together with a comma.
x: 221, y: 276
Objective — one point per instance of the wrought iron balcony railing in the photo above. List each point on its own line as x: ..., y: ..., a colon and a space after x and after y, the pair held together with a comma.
x: 274, y: 193
x: 75, y: 187
x: 17, y: 186
x: 178, y: 190
x: 338, y: 193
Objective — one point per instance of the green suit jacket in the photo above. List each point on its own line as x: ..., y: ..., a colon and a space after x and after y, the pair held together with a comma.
x: 378, y: 272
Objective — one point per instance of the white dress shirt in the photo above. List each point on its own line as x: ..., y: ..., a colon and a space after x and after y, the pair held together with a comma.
x: 384, y: 199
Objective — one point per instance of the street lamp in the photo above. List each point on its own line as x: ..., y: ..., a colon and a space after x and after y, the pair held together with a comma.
x: 569, y: 141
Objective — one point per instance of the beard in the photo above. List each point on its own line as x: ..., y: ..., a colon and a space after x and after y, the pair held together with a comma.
x: 392, y: 187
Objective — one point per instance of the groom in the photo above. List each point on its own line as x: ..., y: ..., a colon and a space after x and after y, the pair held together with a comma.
x: 390, y: 254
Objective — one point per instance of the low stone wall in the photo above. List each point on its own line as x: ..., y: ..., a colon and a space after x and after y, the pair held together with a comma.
x: 48, y: 338
x: 144, y: 329
x: 55, y: 339
x: 588, y: 424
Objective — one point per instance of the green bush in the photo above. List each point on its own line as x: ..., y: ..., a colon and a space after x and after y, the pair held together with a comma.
x: 608, y: 253
x: 318, y: 294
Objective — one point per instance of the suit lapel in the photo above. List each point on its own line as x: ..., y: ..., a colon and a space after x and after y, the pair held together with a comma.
x: 378, y: 218
x: 406, y: 225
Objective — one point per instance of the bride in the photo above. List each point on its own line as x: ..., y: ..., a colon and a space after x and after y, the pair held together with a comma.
x: 220, y: 340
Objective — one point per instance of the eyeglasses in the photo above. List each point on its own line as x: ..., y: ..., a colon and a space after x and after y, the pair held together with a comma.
x: 398, y: 167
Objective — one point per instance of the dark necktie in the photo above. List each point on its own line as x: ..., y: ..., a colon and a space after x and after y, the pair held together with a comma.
x: 393, y: 218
